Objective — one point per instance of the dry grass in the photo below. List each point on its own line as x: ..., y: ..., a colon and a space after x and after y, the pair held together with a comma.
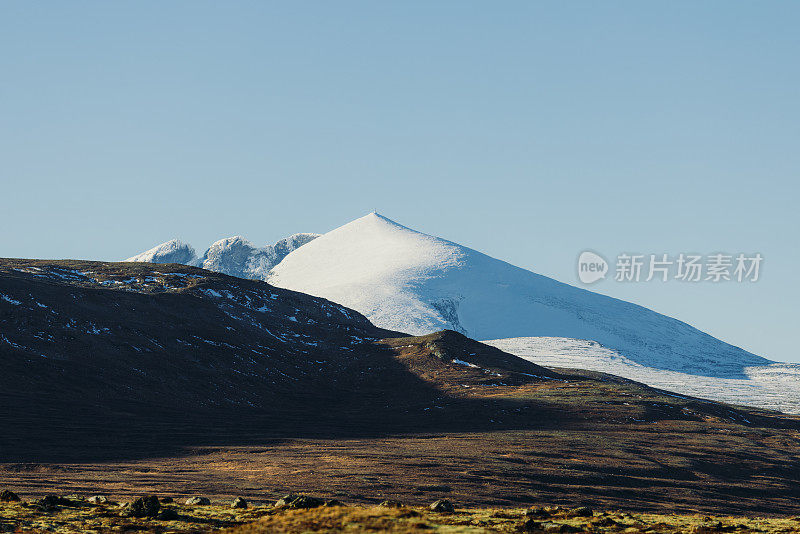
x: 86, y: 517
x: 26, y: 517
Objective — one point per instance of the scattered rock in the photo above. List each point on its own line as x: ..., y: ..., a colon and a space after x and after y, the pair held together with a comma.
x: 707, y: 527
x: 9, y: 496
x: 530, y: 525
x: 167, y: 514
x: 604, y: 522
x: 292, y: 501
x: 537, y: 512
x: 391, y: 504
x: 239, y: 502
x: 198, y: 501
x: 443, y: 506
x: 559, y: 527
x: 51, y: 502
x: 98, y: 499
x: 147, y: 506
x: 166, y: 500
x: 582, y: 511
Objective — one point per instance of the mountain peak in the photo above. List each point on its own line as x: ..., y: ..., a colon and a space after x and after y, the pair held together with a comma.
x: 172, y: 251
x: 408, y: 281
x: 374, y: 217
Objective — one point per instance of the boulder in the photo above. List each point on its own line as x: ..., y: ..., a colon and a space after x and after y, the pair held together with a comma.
x: 98, y: 499
x: 581, y: 511
x: 443, y: 506
x: 537, y: 512
x: 707, y: 527
x: 530, y: 525
x: 8, y: 496
x: 603, y: 522
x: 51, y: 502
x: 198, y: 501
x: 292, y: 501
x: 146, y: 506
x: 167, y: 514
x: 391, y: 504
x: 239, y: 502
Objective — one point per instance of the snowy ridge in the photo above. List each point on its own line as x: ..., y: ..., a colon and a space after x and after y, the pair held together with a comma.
x: 235, y: 256
x: 173, y: 251
x: 411, y: 282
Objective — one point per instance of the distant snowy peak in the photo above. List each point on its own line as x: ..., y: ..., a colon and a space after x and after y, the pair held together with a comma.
x: 229, y: 256
x: 235, y: 256
x: 173, y: 251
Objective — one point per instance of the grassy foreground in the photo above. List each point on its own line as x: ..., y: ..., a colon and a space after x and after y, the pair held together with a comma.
x: 82, y: 516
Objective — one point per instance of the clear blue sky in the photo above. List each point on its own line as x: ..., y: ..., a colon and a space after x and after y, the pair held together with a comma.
x: 527, y: 130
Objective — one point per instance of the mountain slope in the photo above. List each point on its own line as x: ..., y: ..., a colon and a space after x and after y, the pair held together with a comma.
x: 405, y: 280
x: 100, y: 346
x: 234, y: 256
x: 168, y: 378
x: 775, y: 386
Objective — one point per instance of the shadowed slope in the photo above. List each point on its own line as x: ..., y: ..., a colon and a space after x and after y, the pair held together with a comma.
x: 166, y: 376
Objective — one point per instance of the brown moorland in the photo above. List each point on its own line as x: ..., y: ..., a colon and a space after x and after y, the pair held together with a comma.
x: 135, y: 378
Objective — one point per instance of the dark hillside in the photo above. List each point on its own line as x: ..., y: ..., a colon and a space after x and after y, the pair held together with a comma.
x: 120, y: 376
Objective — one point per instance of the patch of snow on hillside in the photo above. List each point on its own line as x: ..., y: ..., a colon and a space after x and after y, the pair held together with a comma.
x: 775, y: 386
x: 9, y: 300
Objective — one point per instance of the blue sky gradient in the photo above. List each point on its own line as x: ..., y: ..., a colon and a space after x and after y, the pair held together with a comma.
x: 528, y: 130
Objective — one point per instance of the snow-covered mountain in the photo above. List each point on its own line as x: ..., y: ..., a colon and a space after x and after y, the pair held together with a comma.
x: 235, y: 256
x: 173, y: 251
x: 411, y: 282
